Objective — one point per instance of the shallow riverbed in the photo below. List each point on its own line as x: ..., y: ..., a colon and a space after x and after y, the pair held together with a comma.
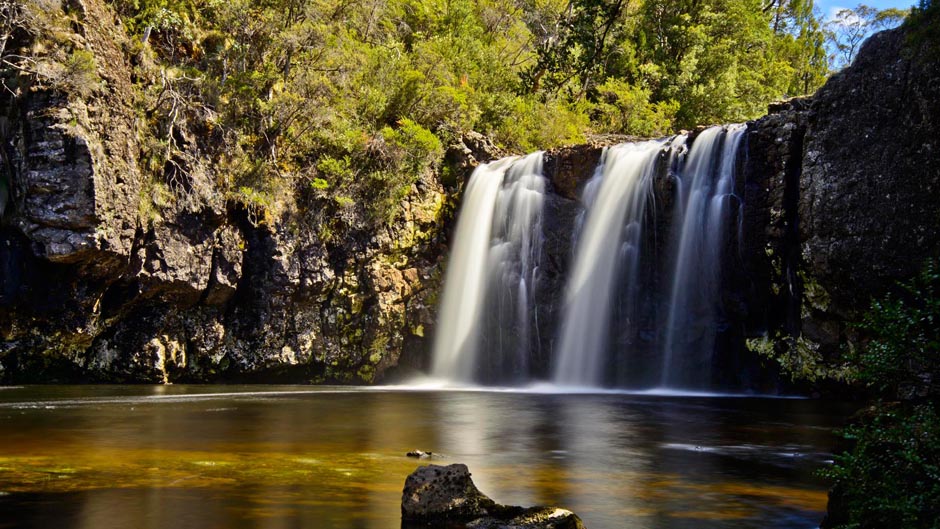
x: 325, y: 457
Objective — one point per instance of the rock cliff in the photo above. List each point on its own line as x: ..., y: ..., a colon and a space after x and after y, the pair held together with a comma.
x: 98, y: 285
x: 843, y: 196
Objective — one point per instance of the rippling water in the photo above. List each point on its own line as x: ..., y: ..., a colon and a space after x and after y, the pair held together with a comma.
x: 299, y: 457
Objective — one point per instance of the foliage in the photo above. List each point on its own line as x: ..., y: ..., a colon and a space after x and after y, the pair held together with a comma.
x: 851, y: 27
x: 624, y: 107
x: 36, y: 46
x: 14, y: 18
x: 799, y: 358
x: 531, y: 130
x: 81, y: 73
x: 418, y: 147
x: 891, y: 476
x: 575, y: 57
x: 922, y: 25
x: 691, y: 62
x: 905, y: 337
x: 406, y: 152
x: 354, y: 102
x: 800, y: 40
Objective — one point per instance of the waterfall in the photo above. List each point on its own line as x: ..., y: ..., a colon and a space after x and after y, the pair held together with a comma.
x: 492, y: 275
x: 700, y: 226
x: 608, y: 251
x: 642, y: 303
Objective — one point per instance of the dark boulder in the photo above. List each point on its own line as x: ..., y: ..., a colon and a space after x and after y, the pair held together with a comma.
x: 436, y: 495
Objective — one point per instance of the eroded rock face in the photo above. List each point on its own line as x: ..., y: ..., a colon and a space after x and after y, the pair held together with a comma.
x: 96, y: 287
x: 870, y: 180
x: 436, y: 495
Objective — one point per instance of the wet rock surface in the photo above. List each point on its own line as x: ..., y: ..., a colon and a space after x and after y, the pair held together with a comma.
x: 421, y: 454
x: 439, y: 496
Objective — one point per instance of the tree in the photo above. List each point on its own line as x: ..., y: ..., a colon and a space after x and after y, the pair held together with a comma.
x: 717, y: 58
x: 799, y: 39
x: 851, y: 27
x: 576, y: 54
x: 13, y: 18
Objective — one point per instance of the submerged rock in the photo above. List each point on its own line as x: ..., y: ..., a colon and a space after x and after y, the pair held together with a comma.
x: 436, y: 495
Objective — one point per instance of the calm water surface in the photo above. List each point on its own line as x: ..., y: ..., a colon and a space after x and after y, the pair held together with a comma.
x: 100, y: 457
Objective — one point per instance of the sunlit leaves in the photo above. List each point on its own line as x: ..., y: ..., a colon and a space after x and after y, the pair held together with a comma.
x: 290, y: 83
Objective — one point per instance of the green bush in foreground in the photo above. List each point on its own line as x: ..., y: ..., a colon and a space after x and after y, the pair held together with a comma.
x: 904, y: 352
x: 891, y: 475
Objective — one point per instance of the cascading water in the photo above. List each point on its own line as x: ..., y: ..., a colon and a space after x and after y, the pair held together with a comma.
x: 642, y: 305
x: 492, y: 275
x: 608, y: 251
x: 700, y: 225
x: 606, y: 291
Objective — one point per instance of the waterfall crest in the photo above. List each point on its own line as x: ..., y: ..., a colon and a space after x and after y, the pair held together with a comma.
x: 492, y: 274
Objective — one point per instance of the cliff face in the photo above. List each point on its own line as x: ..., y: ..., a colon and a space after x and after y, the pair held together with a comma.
x: 93, y: 287
x: 843, y: 190
x: 870, y: 178
x: 839, y: 197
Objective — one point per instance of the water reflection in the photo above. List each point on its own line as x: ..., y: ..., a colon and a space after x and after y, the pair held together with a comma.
x: 281, y: 457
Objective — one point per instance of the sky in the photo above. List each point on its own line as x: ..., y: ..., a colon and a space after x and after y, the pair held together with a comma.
x: 830, y: 7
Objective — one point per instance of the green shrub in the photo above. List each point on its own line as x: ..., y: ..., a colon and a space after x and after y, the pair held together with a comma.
x: 419, y: 147
x: 336, y: 170
x: 626, y: 109
x: 81, y: 73
x: 530, y: 124
x: 904, y: 351
x: 891, y: 476
x: 401, y: 157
